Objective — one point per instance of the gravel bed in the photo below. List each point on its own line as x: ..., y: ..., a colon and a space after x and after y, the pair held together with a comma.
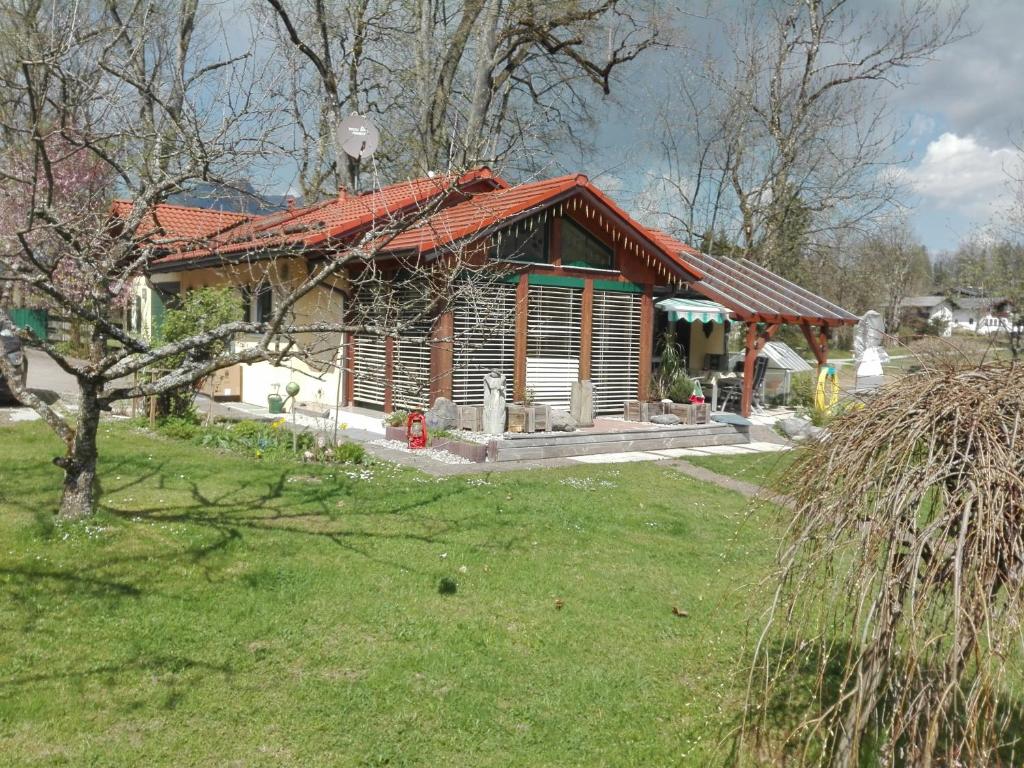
x: 431, y: 453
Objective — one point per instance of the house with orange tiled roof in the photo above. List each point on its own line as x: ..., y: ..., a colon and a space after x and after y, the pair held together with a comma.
x: 579, y: 301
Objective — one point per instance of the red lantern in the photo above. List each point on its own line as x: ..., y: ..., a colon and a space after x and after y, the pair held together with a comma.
x: 416, y: 427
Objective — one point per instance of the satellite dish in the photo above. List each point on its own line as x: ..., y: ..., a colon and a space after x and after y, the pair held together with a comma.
x: 359, y: 136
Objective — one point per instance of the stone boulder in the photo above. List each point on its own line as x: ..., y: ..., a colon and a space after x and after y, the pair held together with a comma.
x: 562, y: 421
x: 443, y: 415
x: 795, y: 428
x: 666, y: 419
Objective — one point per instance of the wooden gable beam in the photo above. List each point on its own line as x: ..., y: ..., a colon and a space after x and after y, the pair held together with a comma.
x: 819, y: 344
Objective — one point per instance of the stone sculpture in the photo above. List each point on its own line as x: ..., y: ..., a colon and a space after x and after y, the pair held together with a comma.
x: 494, y: 403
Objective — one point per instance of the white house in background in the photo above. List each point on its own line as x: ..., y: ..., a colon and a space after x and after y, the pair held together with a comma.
x: 982, y: 314
x: 929, y: 309
x: 964, y: 310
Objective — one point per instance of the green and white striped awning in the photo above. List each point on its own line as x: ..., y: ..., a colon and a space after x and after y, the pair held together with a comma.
x: 699, y: 310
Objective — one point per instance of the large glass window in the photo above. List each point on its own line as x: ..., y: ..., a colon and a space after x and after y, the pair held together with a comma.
x: 522, y: 243
x: 581, y: 249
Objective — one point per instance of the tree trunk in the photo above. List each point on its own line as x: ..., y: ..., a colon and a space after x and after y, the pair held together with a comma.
x: 80, y: 489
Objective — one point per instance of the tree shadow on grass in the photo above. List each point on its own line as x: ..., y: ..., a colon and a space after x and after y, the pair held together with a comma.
x: 142, y: 662
x: 311, y: 511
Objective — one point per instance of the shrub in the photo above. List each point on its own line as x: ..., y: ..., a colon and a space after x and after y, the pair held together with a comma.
x: 201, y: 310
x: 259, y: 439
x: 935, y: 326
x: 801, y: 390
x: 183, y: 427
x: 396, y: 418
x: 349, y: 453
x: 680, y: 389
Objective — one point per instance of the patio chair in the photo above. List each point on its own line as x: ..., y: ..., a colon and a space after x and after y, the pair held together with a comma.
x: 732, y: 389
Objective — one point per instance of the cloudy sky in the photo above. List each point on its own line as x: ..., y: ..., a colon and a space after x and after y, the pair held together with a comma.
x: 965, y: 112
x: 962, y: 114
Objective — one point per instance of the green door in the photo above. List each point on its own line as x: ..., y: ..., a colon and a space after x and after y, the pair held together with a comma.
x: 34, y: 319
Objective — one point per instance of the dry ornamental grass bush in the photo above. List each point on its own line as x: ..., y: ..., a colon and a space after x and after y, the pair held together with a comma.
x: 895, y: 634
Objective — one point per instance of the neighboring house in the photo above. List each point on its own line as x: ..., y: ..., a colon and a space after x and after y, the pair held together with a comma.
x: 932, y: 309
x: 963, y: 309
x: 580, y: 303
x: 982, y: 314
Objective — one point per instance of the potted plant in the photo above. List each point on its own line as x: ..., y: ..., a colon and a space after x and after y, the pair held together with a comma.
x: 394, y: 426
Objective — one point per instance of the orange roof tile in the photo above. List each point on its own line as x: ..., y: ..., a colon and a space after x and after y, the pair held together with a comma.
x: 180, y: 223
x: 330, y: 219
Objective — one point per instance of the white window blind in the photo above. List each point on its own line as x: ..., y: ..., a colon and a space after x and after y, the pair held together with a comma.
x: 615, y: 349
x: 553, y: 343
x: 368, y: 378
x: 485, y: 340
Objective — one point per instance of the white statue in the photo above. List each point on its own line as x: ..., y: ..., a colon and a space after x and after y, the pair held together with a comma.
x: 494, y: 403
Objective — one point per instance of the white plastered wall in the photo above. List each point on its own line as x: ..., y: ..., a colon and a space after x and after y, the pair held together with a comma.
x: 317, y: 371
x: 701, y: 345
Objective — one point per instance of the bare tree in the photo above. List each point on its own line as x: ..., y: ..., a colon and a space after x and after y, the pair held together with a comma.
x: 460, y: 83
x: 893, y: 265
x: 133, y: 97
x: 796, y: 122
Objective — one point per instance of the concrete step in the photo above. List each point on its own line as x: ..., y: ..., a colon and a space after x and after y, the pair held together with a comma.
x: 618, y: 442
x: 569, y: 438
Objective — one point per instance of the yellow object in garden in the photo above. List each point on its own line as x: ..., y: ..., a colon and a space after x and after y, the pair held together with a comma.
x: 826, y: 396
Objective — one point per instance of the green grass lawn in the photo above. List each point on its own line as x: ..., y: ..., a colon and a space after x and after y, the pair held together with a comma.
x: 220, y: 611
x: 756, y: 468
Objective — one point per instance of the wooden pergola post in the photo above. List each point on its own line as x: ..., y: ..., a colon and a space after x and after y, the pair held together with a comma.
x: 350, y: 370
x: 755, y: 343
x: 442, y: 357
x: 522, y: 328
x: 586, y: 328
x: 646, y: 341
x: 389, y: 374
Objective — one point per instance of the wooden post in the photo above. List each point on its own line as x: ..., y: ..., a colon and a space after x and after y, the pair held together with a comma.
x: 389, y: 373
x: 749, y: 358
x: 442, y: 357
x: 646, y: 341
x: 350, y: 370
x: 522, y: 329
x: 586, y: 328
x: 755, y: 343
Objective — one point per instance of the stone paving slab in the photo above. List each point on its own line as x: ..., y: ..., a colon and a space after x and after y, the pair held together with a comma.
x: 762, y: 447
x: 617, y: 458
x: 727, y: 450
x: 675, y: 453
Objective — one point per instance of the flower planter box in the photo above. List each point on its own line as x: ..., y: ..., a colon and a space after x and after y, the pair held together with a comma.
x: 401, y: 434
x: 471, y: 417
x: 685, y: 411
x: 642, y: 410
x: 636, y: 410
x: 542, y: 418
x: 701, y: 413
x: 518, y: 418
x: 471, y: 451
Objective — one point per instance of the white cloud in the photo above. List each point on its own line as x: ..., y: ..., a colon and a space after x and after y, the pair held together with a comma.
x: 958, y: 173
